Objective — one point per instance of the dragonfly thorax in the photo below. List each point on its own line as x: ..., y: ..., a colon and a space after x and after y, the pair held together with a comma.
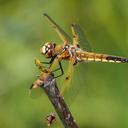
x: 48, y: 49
x: 72, y: 50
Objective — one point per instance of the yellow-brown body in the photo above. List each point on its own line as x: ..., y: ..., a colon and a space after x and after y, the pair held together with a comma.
x: 81, y: 55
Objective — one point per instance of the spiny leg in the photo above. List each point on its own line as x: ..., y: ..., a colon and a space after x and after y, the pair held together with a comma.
x: 62, y: 34
x: 60, y: 68
x: 51, y: 61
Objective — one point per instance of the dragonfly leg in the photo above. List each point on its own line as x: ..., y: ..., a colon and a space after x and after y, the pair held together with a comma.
x: 56, y: 69
x: 51, y: 61
x: 61, y: 69
x: 60, y: 66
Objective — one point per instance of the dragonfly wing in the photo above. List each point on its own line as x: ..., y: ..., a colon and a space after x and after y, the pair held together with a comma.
x: 73, y: 80
x: 62, y: 34
x: 79, y: 37
x: 67, y: 90
x: 35, y: 92
x: 66, y: 84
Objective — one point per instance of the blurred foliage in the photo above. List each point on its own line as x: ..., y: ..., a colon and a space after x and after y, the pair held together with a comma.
x: 103, y: 103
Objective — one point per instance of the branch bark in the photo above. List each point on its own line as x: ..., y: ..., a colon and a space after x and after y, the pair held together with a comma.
x: 53, y: 93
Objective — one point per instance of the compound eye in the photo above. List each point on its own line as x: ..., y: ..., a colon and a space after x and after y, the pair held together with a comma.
x: 44, y: 49
x: 49, y: 46
x: 49, y: 53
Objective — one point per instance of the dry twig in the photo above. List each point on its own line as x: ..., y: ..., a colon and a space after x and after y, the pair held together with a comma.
x: 48, y: 83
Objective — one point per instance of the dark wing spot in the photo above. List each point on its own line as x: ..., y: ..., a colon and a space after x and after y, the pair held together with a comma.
x: 67, y: 77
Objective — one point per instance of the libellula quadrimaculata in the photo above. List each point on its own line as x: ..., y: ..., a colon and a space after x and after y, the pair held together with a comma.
x: 73, y: 52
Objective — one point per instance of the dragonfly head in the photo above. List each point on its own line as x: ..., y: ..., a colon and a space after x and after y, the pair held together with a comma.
x: 48, y: 49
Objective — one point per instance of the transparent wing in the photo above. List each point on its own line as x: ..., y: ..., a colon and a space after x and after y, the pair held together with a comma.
x: 63, y: 35
x: 77, y: 74
x: 79, y: 37
x: 67, y: 81
x: 76, y: 80
x: 35, y: 92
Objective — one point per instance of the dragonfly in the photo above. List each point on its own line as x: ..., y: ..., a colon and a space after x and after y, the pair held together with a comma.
x: 75, y: 50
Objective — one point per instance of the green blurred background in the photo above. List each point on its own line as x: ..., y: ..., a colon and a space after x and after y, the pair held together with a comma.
x: 104, y: 102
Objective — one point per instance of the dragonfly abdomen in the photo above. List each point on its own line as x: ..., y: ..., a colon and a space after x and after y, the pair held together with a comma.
x: 95, y: 57
x: 117, y: 59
